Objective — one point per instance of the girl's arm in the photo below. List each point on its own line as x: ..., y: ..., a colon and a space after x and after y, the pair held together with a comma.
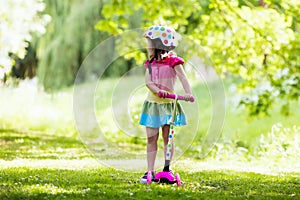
x: 151, y: 86
x: 184, y: 81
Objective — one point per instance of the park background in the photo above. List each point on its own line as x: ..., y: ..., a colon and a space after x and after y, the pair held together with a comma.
x: 253, y: 46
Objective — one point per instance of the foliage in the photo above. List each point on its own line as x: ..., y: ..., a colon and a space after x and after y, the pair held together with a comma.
x: 280, y: 145
x: 28, y: 108
x: 70, y: 38
x: 20, y: 19
x: 258, y: 43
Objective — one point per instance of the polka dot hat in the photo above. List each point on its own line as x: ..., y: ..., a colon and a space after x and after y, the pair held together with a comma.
x: 166, y: 34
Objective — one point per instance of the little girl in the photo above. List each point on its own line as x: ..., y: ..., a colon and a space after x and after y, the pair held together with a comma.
x: 162, y: 69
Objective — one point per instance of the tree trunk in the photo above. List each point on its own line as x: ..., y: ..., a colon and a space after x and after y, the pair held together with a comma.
x: 26, y: 67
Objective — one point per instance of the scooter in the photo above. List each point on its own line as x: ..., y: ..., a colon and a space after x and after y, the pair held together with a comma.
x: 166, y: 176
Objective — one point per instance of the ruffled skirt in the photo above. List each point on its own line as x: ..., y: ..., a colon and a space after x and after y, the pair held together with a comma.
x: 156, y: 115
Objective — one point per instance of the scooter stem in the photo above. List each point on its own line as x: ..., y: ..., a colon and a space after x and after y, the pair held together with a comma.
x: 171, y: 136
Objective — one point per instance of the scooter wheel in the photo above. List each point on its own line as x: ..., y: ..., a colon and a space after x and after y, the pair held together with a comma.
x: 149, y: 178
x: 178, y: 181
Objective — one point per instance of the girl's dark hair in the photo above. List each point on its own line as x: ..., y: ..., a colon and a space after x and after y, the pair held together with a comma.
x: 159, y: 48
x: 157, y: 43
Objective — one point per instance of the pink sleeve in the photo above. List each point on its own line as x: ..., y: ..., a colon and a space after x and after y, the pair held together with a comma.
x: 146, y: 64
x: 176, y: 61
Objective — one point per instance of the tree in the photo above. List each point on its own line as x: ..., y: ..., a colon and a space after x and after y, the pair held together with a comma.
x: 70, y: 37
x: 19, y: 20
x: 257, y: 43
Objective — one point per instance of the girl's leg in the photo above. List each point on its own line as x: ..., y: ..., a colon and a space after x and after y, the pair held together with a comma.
x: 165, y: 135
x: 152, y: 137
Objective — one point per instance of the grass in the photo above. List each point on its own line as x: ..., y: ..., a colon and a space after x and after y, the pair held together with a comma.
x: 39, y: 145
x: 43, y: 156
x: 35, y: 165
x: 106, y: 183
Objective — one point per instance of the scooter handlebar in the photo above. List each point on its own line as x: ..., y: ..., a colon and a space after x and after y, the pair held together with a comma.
x: 173, y: 96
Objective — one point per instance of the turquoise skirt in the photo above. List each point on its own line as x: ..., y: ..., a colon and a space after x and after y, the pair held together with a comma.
x: 156, y: 115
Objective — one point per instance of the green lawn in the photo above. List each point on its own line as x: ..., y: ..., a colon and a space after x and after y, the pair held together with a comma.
x: 42, y: 155
x: 107, y: 183
x: 40, y: 166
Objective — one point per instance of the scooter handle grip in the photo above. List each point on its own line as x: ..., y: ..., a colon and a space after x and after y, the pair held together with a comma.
x: 173, y: 96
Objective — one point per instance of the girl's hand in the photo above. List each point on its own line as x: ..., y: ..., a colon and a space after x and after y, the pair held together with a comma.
x: 163, y: 92
x: 188, y: 97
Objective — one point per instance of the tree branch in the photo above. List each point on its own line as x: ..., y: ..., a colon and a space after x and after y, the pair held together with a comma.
x: 246, y: 22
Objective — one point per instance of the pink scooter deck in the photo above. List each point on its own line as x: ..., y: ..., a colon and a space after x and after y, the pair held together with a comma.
x: 164, y: 175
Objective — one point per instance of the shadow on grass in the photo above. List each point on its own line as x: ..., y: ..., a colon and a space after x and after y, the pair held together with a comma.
x: 38, y: 145
x: 105, y: 183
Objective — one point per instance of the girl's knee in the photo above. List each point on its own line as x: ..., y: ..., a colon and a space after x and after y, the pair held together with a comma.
x: 152, y: 139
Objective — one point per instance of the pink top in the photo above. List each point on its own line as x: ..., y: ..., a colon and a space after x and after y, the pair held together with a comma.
x: 163, y: 72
